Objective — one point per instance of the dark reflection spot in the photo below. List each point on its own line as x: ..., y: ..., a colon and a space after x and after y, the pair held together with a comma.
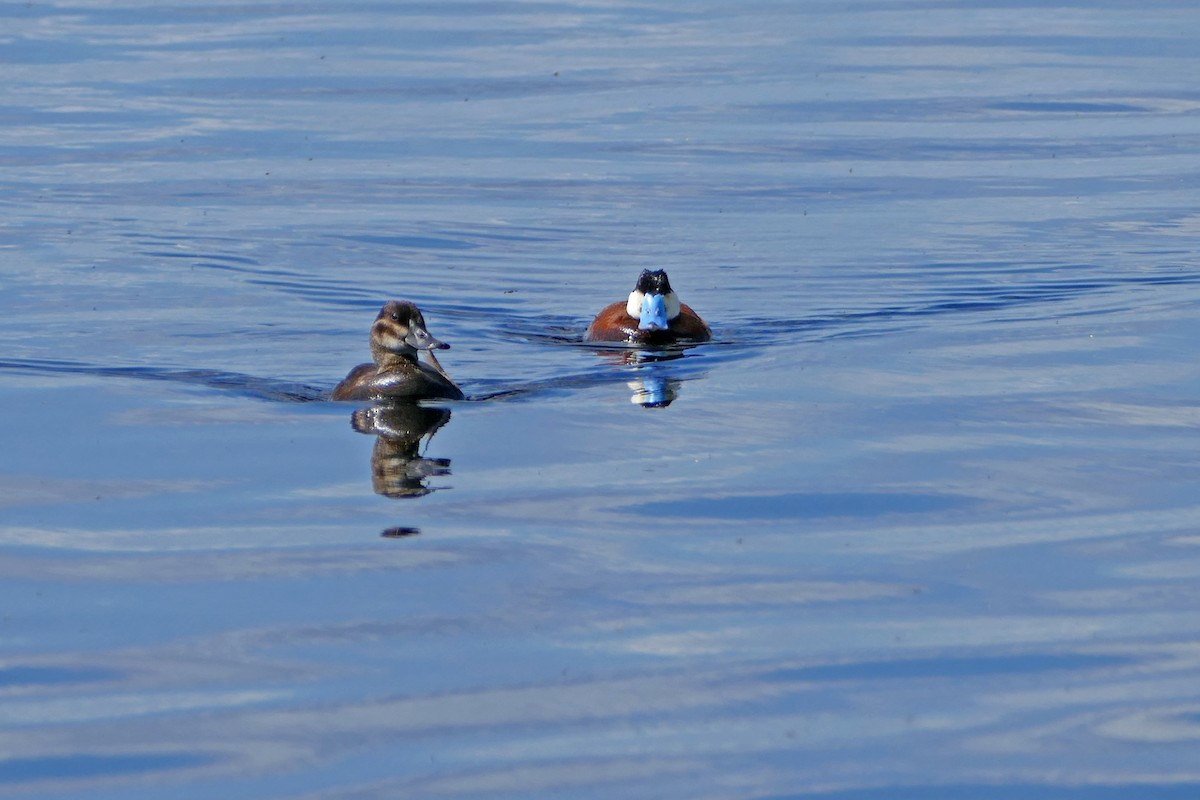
x: 400, y: 532
x: 45, y: 676
x: 23, y: 770
x: 950, y: 667
x: 802, y: 505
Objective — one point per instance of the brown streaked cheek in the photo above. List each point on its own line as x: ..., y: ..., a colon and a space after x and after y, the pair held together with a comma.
x: 385, y: 333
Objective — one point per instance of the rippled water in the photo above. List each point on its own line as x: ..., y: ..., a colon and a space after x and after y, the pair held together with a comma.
x: 920, y: 522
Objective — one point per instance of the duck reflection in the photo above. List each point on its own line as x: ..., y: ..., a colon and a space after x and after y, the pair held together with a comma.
x: 397, y: 467
x: 654, y: 391
x: 652, y: 387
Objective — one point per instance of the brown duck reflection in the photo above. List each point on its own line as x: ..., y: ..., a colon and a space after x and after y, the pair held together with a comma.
x: 650, y: 389
x: 397, y: 467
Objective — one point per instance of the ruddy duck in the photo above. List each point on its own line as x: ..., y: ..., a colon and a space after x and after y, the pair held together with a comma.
x: 651, y: 315
x: 398, y: 335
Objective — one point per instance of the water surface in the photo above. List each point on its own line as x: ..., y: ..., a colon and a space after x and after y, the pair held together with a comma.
x: 920, y: 522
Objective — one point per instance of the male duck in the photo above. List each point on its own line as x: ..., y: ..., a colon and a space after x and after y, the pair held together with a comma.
x: 397, y: 336
x: 652, y: 315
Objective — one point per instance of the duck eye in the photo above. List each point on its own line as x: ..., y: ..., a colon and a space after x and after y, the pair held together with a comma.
x: 395, y: 317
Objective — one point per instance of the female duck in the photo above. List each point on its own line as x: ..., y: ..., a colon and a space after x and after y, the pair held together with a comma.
x: 651, y: 315
x: 397, y: 336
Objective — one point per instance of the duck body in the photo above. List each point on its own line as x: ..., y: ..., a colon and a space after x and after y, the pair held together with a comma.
x: 398, y: 335
x: 652, y: 315
x: 406, y: 381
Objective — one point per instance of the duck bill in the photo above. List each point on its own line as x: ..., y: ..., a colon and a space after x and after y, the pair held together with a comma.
x: 653, y: 313
x: 419, y: 339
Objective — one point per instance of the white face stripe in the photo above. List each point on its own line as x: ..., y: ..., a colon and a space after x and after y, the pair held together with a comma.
x: 672, y: 305
x: 634, y: 306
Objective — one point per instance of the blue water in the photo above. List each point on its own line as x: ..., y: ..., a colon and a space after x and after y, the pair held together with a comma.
x: 920, y: 522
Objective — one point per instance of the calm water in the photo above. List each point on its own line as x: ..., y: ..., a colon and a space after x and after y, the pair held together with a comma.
x: 922, y: 521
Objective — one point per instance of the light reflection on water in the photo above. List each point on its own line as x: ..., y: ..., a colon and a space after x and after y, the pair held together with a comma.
x: 919, y: 522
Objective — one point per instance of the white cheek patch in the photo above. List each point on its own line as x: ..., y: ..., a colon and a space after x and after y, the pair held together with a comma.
x: 672, y: 305
x: 634, y: 307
